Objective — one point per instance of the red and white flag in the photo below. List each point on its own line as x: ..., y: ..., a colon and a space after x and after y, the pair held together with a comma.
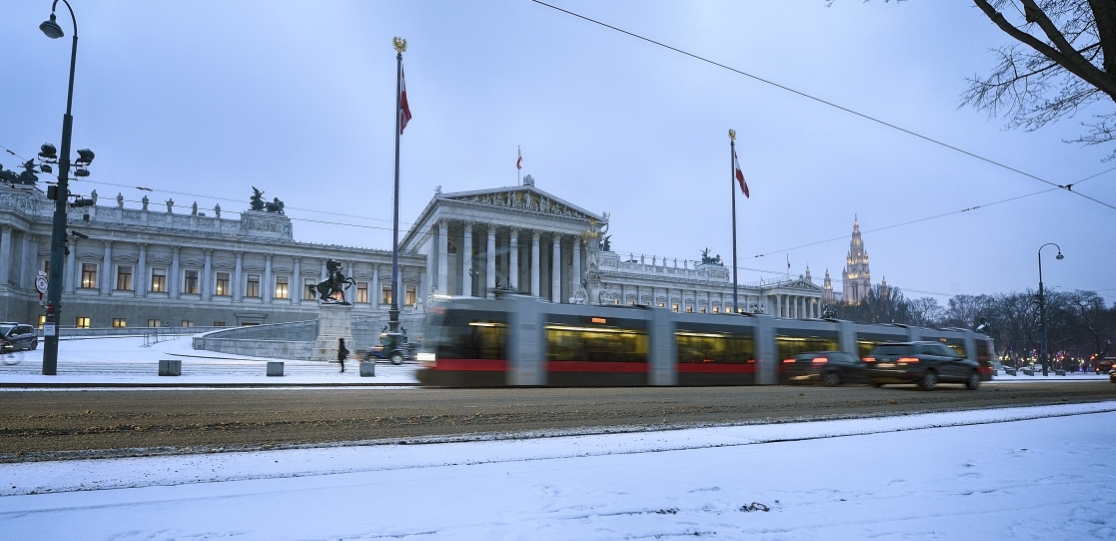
x: 404, y: 107
x: 519, y: 162
x: 740, y: 175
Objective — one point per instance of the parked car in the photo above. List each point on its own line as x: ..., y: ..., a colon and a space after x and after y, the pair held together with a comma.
x: 393, y: 347
x: 924, y: 363
x: 830, y: 368
x: 17, y: 336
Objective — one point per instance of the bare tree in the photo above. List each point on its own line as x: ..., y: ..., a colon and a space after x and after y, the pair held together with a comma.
x: 925, y: 312
x: 1063, y: 60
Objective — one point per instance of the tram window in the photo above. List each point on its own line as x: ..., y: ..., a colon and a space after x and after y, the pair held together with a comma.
x: 719, y: 348
x: 464, y: 334
x: 601, y: 344
x: 866, y: 341
x: 789, y: 346
x: 984, y: 352
x: 958, y: 349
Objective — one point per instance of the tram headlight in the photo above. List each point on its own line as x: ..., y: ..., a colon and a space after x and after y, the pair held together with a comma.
x: 425, y: 357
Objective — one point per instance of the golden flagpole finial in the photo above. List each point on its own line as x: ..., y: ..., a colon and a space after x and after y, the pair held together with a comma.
x: 732, y: 134
x: 399, y: 43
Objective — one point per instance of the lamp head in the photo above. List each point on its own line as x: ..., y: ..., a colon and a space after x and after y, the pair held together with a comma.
x: 51, y: 28
x: 1059, y: 257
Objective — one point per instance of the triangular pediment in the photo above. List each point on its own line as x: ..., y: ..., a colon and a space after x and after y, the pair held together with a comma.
x: 524, y: 198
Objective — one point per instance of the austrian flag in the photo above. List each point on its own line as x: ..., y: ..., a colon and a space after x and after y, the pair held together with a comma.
x: 740, y: 175
x: 404, y: 107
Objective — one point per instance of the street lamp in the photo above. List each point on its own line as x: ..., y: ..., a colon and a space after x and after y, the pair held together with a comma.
x: 1042, y: 308
x: 61, y: 198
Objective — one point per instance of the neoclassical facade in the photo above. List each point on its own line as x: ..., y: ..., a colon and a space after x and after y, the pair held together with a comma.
x: 175, y: 266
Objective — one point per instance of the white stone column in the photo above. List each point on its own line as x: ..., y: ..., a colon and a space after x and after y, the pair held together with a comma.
x: 175, y: 278
x: 490, y: 257
x: 6, y: 254
x: 376, y: 290
x: 106, y: 286
x: 556, y: 269
x: 443, y: 258
x: 535, y: 267
x: 238, y: 281
x: 778, y: 305
x: 268, y: 287
x: 141, y: 271
x: 294, y: 290
x: 513, y: 259
x: 575, y: 269
x: 466, y: 256
x: 207, y: 277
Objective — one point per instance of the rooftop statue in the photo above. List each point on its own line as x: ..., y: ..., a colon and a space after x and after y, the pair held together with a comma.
x: 275, y: 206
x: 257, y: 202
x: 706, y: 260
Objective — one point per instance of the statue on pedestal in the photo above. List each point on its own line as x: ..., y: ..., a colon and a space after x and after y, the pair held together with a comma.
x: 335, y: 282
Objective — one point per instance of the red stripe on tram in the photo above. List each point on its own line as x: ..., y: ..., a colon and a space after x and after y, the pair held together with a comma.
x: 711, y: 368
x: 595, y: 366
x: 483, y: 365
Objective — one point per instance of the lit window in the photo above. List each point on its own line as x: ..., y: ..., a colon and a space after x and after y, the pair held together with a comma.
x: 190, y: 282
x: 119, y: 322
x: 154, y: 323
x: 411, y: 295
x: 716, y: 309
x: 82, y: 323
x: 42, y: 321
x: 362, y: 292
x: 252, y: 288
x: 385, y: 295
x: 689, y: 309
x: 187, y: 323
x: 674, y: 308
x: 702, y: 310
x: 124, y: 278
x: 308, y: 288
x: 89, y: 275
x: 222, y: 289
x: 281, y: 287
x: 661, y: 305
x: 159, y: 280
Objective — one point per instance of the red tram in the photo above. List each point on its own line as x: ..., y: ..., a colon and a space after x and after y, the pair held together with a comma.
x: 522, y: 341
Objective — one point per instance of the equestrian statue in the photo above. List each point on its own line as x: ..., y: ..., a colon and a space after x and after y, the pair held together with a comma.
x: 335, y: 283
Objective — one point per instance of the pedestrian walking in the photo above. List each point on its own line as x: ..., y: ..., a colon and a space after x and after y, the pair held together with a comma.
x: 342, y: 353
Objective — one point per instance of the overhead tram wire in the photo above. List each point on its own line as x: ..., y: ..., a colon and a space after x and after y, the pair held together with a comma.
x: 1067, y: 187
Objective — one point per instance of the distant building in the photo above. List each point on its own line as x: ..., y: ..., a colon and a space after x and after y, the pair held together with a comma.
x: 856, y: 278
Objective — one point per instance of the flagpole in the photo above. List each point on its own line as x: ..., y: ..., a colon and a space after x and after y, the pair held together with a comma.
x: 400, y: 45
x: 518, y: 169
x: 732, y: 187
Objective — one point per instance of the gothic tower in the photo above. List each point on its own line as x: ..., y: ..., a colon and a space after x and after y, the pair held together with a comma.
x: 827, y: 289
x: 856, y: 278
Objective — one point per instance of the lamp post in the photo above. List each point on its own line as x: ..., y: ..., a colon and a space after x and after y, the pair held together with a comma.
x: 1042, y: 308
x: 61, y: 198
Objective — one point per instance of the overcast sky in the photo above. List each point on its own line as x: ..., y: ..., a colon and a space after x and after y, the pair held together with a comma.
x: 296, y: 98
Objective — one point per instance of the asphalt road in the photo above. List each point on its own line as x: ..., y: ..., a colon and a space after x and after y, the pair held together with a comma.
x: 42, y: 425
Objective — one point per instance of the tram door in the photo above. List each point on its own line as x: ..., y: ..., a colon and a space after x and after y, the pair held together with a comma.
x: 526, y: 342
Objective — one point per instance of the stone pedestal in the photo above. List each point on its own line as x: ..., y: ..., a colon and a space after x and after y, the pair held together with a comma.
x: 334, y: 321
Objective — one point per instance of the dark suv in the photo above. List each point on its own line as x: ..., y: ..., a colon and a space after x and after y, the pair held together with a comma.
x: 924, y: 363
x: 15, y: 336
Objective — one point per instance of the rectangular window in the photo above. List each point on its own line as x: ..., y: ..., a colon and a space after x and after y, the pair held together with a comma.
x: 82, y: 323
x: 124, y: 278
x: 89, y: 275
x: 411, y: 295
x: 158, y: 281
x: 42, y: 321
x: 119, y: 322
x: 46, y: 266
x: 308, y: 289
x: 385, y: 295
x: 222, y: 289
x: 218, y: 323
x: 660, y: 305
x: 716, y: 309
x: 190, y: 282
x: 674, y: 308
x: 252, y: 288
x: 154, y: 323
x: 362, y: 292
x: 689, y: 309
x: 187, y: 323
x: 281, y: 287
x: 702, y: 310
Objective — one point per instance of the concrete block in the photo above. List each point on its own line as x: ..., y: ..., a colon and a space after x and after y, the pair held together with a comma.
x: 1059, y: 372
x: 274, y: 368
x: 1028, y: 372
x: 1009, y: 371
x: 367, y: 369
x: 170, y: 368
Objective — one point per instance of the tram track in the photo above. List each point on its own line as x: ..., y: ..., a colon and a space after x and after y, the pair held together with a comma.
x: 36, y: 425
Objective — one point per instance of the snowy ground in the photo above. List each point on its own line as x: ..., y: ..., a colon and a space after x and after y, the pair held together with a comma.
x: 1028, y: 473
x: 125, y: 360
